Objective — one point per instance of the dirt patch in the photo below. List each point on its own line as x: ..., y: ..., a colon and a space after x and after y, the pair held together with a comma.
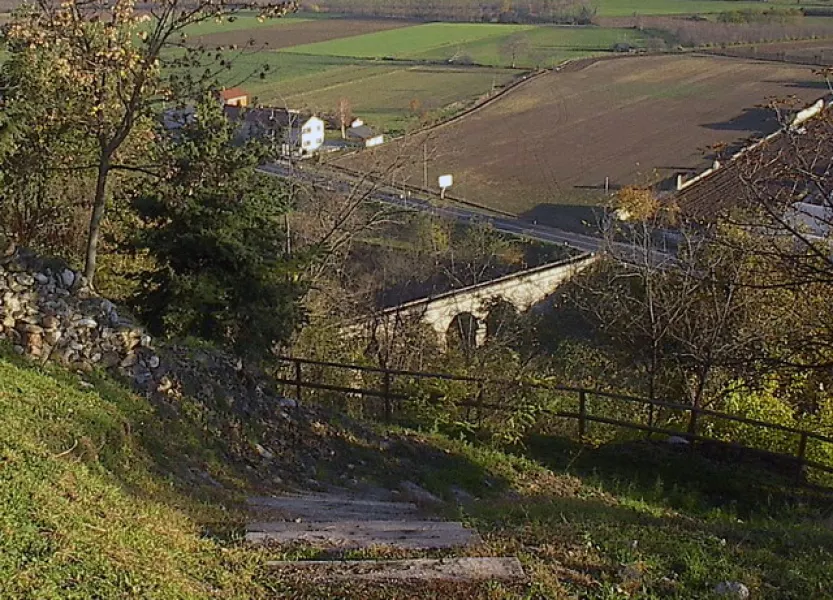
x: 631, y: 120
x: 283, y: 35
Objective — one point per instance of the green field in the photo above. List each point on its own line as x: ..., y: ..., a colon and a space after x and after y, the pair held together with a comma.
x: 624, y: 8
x: 436, y: 89
x: 548, y: 46
x: 479, y: 43
x: 410, y: 42
x: 242, y: 22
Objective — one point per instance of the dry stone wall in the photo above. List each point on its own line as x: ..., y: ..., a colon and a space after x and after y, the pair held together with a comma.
x: 47, y: 312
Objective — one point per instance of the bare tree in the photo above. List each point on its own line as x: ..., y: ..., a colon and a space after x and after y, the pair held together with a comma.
x: 345, y: 115
x: 514, y: 47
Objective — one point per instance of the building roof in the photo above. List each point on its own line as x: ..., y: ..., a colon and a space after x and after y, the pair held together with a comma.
x: 362, y: 132
x: 266, y: 116
x: 768, y: 165
x: 231, y: 93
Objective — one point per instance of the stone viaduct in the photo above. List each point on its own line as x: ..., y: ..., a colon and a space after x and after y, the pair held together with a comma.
x: 469, y: 306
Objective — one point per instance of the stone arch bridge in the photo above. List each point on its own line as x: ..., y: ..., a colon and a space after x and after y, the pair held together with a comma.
x: 468, y: 307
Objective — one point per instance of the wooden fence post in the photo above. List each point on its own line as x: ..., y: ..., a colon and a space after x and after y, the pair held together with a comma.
x: 479, y: 402
x: 802, y: 454
x: 582, y: 415
x: 692, y: 422
x: 386, y: 396
x: 298, y: 381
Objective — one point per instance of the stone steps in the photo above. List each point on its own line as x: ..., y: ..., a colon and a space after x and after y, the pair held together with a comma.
x: 337, y: 521
x: 331, y: 507
x: 355, y: 535
x: 415, y: 569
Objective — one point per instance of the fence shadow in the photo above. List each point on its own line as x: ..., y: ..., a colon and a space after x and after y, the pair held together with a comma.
x: 681, y: 476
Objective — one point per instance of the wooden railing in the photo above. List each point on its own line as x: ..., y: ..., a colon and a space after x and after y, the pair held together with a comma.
x: 394, y: 389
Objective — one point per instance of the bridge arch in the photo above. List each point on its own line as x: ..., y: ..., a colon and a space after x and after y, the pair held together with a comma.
x: 465, y: 332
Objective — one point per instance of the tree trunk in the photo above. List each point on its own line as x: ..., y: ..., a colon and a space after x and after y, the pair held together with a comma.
x: 95, y: 219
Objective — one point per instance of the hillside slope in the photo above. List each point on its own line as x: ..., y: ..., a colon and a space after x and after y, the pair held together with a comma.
x: 104, y: 495
x: 89, y: 508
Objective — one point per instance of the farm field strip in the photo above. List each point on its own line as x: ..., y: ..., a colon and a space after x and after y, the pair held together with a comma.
x: 290, y: 32
x: 389, y: 107
x: 244, y: 21
x: 624, y: 8
x: 404, y: 43
x: 545, y: 149
x: 548, y: 46
x: 604, y: 8
x: 807, y: 51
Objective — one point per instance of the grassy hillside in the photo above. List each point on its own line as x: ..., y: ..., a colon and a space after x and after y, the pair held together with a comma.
x: 90, y: 503
x: 104, y: 496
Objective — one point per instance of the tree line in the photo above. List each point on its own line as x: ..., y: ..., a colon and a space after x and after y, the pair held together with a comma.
x: 575, y: 12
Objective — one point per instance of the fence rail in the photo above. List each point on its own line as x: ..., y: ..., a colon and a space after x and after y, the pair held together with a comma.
x: 393, y: 398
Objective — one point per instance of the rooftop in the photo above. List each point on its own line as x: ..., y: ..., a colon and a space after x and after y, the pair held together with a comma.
x: 231, y: 93
x: 771, y: 165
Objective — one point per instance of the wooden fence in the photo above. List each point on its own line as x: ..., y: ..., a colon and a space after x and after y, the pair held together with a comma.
x: 394, y: 390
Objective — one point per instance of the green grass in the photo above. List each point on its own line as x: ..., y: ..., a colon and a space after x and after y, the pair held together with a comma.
x: 623, y: 8
x: 89, y: 503
x: 242, y: 22
x: 548, y: 46
x: 388, y: 106
x: 308, y: 81
x: 408, y: 42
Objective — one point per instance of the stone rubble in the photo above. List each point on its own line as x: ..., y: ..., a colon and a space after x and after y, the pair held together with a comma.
x: 47, y: 312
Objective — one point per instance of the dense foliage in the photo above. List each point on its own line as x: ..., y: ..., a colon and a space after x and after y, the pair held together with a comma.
x: 215, y: 229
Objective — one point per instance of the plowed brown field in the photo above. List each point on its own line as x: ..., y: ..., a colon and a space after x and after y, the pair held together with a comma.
x: 553, y: 142
x: 285, y: 35
x: 815, y: 52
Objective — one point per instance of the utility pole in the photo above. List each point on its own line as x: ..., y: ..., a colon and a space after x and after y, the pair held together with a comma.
x: 425, y: 165
x: 288, y: 239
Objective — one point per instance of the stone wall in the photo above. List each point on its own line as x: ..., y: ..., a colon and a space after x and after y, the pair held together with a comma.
x: 48, y: 313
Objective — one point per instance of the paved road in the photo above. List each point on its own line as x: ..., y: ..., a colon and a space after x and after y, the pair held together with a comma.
x: 387, y: 194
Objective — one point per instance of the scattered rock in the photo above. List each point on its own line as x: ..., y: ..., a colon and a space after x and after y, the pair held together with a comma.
x: 264, y: 452
x: 732, y: 589
x: 676, y: 440
x: 67, y: 278
x: 288, y: 403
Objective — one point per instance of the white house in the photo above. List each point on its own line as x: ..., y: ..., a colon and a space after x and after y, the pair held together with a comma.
x: 312, y: 135
x: 296, y: 133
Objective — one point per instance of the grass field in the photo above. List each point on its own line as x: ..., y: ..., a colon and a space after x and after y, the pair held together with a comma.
x: 548, y: 46
x: 619, y: 8
x: 480, y: 43
x: 412, y: 41
x: 315, y: 82
x: 545, y: 150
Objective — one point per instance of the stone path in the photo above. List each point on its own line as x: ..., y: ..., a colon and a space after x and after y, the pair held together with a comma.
x: 342, y: 520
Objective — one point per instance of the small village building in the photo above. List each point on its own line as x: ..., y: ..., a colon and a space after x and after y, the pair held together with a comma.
x: 312, y: 135
x: 234, y: 97
x: 294, y: 132
x: 364, y: 135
